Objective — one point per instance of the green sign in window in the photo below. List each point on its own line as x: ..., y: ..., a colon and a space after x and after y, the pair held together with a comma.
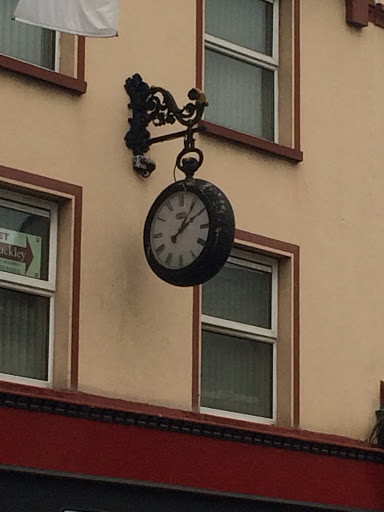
x: 24, y: 241
x: 20, y: 253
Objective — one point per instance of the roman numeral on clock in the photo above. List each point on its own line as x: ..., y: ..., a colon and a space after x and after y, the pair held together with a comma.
x: 160, y: 249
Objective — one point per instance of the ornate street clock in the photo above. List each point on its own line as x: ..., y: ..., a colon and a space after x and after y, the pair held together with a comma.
x: 189, y: 230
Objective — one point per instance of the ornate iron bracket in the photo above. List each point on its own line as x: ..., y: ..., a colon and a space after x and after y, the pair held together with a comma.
x: 157, y: 105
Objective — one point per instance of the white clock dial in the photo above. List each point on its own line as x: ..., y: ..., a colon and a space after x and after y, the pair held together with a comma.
x: 179, y: 230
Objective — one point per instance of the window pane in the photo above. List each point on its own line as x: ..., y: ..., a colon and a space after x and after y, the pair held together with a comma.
x: 240, y: 95
x: 239, y: 294
x: 24, y: 243
x: 247, y: 23
x: 25, y: 42
x: 24, y: 330
x: 236, y: 375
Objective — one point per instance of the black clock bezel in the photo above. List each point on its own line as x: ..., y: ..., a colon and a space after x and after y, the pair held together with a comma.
x: 221, y: 234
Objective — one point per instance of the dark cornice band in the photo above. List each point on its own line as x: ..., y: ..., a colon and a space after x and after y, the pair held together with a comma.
x: 181, y: 426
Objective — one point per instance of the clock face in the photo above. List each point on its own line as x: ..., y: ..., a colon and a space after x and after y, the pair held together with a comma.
x: 189, y: 232
x: 179, y: 230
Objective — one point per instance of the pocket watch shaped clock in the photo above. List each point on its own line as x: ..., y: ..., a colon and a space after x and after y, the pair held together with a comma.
x: 189, y: 232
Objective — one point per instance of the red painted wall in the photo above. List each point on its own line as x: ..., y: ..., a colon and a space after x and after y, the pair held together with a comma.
x: 60, y: 443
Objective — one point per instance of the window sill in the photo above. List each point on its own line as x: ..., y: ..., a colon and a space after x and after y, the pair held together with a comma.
x: 76, y: 85
x: 237, y: 416
x: 278, y: 150
x: 24, y: 381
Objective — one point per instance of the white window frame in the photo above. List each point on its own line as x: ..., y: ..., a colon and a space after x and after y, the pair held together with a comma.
x: 255, y: 58
x: 57, y: 51
x: 30, y: 285
x: 247, y: 259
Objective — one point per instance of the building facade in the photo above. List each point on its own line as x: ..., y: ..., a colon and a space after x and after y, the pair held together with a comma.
x: 256, y: 390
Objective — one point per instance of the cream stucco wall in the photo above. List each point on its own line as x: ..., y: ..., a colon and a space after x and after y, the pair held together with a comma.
x: 135, y: 331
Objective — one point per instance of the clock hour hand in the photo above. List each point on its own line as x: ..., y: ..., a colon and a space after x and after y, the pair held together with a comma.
x: 183, y: 225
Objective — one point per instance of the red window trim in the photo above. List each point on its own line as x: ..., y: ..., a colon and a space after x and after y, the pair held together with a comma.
x: 361, y: 12
x: 376, y: 13
x: 293, y: 153
x: 357, y: 12
x: 267, y: 146
x: 21, y: 181
x: 271, y: 246
x: 77, y: 85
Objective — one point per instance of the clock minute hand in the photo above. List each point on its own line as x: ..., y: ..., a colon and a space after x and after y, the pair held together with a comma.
x: 192, y: 218
x: 183, y: 225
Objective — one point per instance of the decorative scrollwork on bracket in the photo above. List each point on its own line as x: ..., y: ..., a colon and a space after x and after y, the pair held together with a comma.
x: 165, y: 110
x: 157, y: 105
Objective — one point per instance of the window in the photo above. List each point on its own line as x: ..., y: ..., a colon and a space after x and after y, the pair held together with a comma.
x: 54, y: 57
x: 28, y: 243
x: 25, y: 42
x: 248, y: 64
x: 239, y: 338
x: 246, y: 334
x: 241, y: 65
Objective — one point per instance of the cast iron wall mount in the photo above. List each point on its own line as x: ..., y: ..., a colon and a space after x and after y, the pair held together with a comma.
x: 156, y: 105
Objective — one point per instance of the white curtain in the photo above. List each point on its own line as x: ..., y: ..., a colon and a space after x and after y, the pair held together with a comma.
x: 248, y: 23
x: 239, y: 294
x: 24, y: 334
x: 236, y: 374
x: 241, y: 96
